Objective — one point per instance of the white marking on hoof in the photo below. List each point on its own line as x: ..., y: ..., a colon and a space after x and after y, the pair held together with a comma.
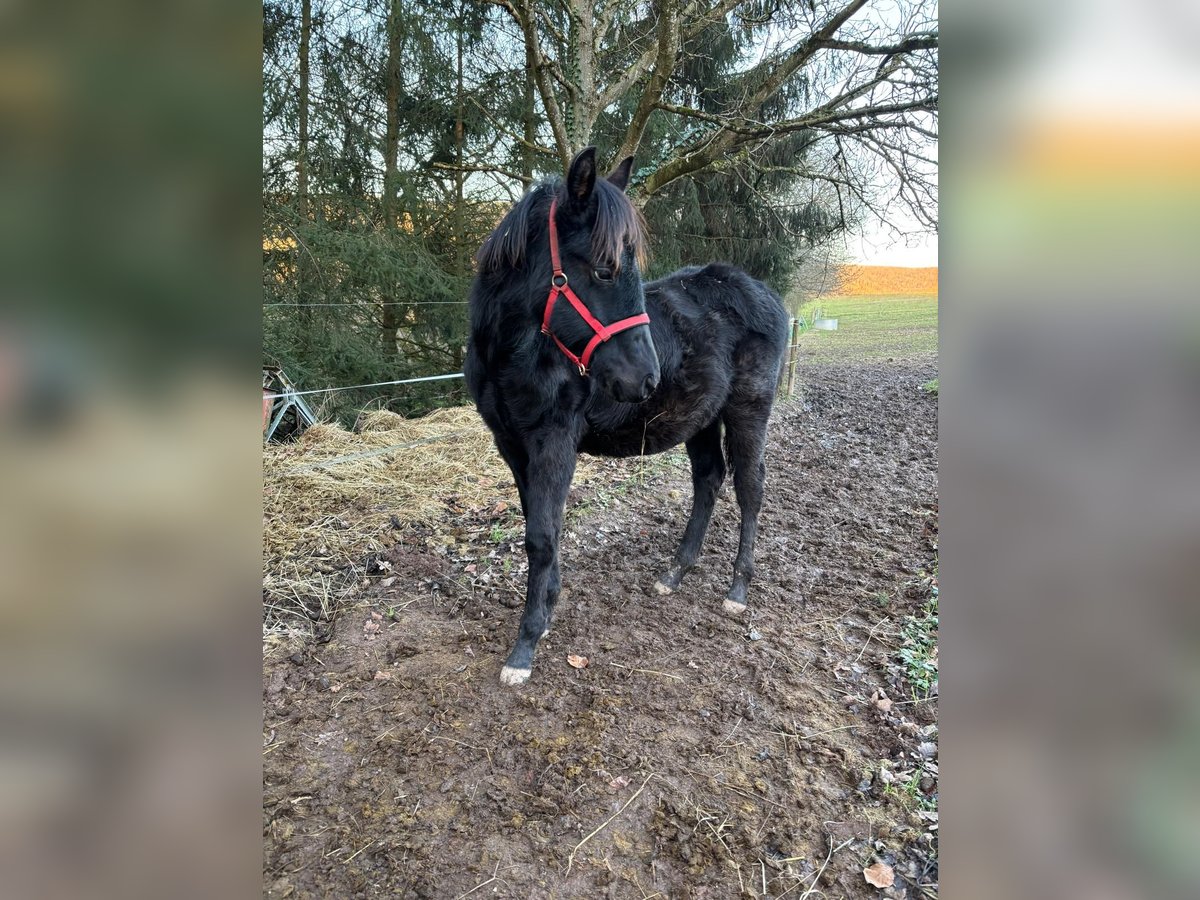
x: 733, y: 607
x: 513, y: 677
x: 544, y: 633
x: 663, y: 588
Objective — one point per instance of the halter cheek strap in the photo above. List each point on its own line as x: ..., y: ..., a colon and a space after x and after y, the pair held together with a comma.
x: 559, y: 285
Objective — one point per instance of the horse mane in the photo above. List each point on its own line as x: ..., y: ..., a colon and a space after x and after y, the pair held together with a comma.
x: 619, y: 224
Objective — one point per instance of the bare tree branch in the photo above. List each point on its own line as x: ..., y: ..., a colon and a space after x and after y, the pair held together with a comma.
x: 664, y: 65
x: 554, y: 115
x: 872, y: 80
x: 497, y: 170
x: 695, y: 19
x: 913, y: 42
x: 773, y: 75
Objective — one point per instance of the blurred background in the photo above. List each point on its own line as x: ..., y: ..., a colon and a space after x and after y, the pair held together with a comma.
x: 129, y: 448
x: 130, y: 323
x: 1070, y: 422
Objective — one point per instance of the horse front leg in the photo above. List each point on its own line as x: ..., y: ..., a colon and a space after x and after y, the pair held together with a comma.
x: 544, y: 485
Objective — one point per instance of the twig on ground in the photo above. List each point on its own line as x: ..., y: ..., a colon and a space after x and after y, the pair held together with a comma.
x: 571, y: 858
x: 808, y: 737
x: 358, y: 851
x: 438, y: 737
x: 812, y: 888
x: 647, y: 671
x: 867, y: 642
x: 482, y: 883
x: 821, y: 871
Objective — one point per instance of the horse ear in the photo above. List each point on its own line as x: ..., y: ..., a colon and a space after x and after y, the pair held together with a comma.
x: 620, y: 175
x: 581, y: 176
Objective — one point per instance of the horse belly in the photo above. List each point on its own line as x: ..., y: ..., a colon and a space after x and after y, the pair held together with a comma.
x: 650, y: 430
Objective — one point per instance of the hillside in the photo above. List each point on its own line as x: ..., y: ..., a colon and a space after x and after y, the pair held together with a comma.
x: 856, y: 281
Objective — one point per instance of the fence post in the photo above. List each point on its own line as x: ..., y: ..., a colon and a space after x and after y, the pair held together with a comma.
x: 793, y: 340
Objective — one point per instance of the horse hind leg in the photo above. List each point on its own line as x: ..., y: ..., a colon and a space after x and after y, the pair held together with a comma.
x: 708, y: 473
x: 745, y: 443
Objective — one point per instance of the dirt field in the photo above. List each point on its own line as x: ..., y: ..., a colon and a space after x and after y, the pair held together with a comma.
x: 696, y: 756
x: 855, y: 281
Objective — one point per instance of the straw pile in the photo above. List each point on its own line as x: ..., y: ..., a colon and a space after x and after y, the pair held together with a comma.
x: 331, y: 497
x: 334, y: 497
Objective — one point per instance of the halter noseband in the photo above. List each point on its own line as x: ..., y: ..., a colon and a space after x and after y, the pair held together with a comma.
x: 558, y: 285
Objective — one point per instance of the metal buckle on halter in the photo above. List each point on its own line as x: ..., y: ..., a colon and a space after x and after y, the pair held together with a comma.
x: 582, y: 371
x: 554, y: 280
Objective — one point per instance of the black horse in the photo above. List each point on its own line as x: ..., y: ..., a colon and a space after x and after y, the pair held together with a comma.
x: 678, y: 359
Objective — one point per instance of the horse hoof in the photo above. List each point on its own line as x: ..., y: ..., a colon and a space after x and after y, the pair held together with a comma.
x: 513, y: 677
x: 733, y: 608
x: 663, y: 589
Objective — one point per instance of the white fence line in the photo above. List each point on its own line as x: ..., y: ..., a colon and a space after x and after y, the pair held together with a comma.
x: 354, y: 387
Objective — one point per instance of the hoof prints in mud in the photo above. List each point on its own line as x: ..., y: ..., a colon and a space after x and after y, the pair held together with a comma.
x: 396, y: 765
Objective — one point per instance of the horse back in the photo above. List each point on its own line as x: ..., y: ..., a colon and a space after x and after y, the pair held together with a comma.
x: 717, y: 331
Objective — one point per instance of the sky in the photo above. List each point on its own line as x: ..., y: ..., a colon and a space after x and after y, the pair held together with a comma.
x: 876, y: 247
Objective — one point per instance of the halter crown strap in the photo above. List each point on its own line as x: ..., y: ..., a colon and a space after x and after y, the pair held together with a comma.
x: 559, y: 285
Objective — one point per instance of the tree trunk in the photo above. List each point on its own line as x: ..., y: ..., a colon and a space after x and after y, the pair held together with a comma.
x: 583, y: 29
x: 530, y: 112
x: 460, y: 237
x: 391, y: 151
x: 302, y: 149
x: 303, y: 263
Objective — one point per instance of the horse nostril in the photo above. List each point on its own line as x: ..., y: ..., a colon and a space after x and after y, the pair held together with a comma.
x: 649, y: 385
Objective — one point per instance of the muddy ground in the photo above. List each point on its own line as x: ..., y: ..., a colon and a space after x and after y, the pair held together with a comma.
x: 695, y: 756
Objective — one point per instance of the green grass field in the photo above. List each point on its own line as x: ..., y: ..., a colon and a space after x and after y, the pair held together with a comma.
x: 870, y: 328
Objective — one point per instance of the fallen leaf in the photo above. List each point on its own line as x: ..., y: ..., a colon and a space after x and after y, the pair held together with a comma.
x: 880, y: 875
x: 882, y: 703
x: 383, y: 676
x: 577, y: 662
x: 499, y: 508
x: 471, y: 568
x: 619, y: 782
x: 389, y: 581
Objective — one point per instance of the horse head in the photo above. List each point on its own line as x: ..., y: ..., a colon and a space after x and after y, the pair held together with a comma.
x: 597, y: 247
x: 569, y: 254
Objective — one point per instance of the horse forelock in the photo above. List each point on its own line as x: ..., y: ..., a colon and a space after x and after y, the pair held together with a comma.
x: 619, y: 226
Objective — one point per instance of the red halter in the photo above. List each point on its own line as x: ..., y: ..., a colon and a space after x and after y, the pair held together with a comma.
x: 603, y: 332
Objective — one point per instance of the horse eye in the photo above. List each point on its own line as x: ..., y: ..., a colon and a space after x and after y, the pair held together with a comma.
x: 603, y: 274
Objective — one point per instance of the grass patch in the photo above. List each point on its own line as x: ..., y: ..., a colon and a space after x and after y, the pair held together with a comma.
x: 623, y: 476
x: 918, y: 653
x: 909, y: 795
x: 872, y: 327
x: 930, y: 387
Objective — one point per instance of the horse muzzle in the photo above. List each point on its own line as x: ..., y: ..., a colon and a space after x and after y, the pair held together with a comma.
x: 632, y: 390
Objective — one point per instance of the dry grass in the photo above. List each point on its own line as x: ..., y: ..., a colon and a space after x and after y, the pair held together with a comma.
x: 318, y: 504
x: 335, y: 496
